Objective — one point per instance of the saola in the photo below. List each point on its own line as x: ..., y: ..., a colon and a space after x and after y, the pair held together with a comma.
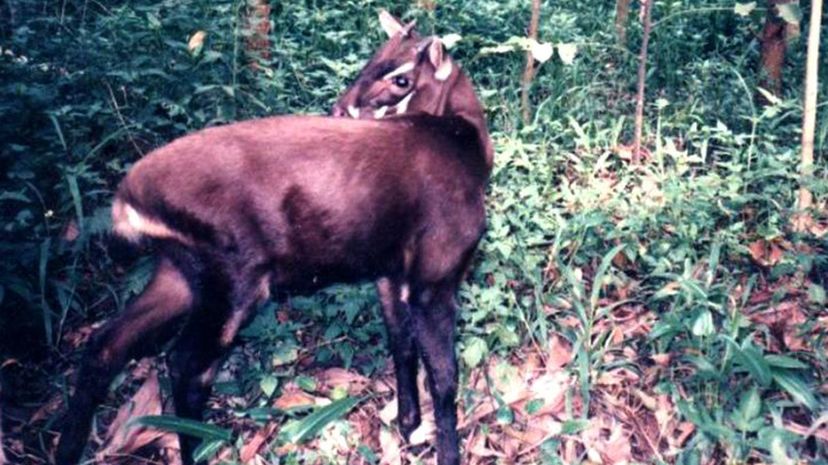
x: 394, y: 194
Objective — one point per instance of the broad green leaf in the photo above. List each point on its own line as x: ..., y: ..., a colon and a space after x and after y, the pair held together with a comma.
x: 703, y: 324
x: 567, y: 53
x: 744, y: 9
x: 534, y: 405
x: 300, y: 430
x: 816, y: 294
x: 770, y: 97
x: 790, y: 12
x: 598, y: 281
x: 450, y: 40
x: 505, y: 415
x: 796, y: 387
x: 574, y: 426
x: 750, y: 357
x: 306, y: 383
x: 185, y: 426
x: 749, y: 408
x: 474, y: 350
x: 702, y: 363
x: 783, y: 361
x: 207, y: 449
x: 268, y: 385
x: 779, y: 452
x: 541, y: 51
x: 502, y: 48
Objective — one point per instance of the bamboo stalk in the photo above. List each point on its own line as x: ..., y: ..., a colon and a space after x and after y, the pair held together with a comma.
x: 529, y: 70
x: 642, y: 77
x: 622, y: 12
x: 810, y: 104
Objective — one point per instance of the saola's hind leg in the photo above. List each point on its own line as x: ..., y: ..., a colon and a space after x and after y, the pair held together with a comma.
x: 138, y: 331
x: 434, y: 322
x: 398, y: 324
x: 204, y: 342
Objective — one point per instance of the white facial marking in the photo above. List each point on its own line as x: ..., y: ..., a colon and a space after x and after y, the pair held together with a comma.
x: 353, y: 111
x: 444, y: 71
x: 402, y: 69
x: 402, y: 105
x: 380, y: 112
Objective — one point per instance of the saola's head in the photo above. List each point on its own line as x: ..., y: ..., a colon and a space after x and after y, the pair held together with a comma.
x: 413, y: 74
x: 408, y: 74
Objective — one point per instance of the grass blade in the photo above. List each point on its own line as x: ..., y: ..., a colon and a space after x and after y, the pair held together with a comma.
x: 186, y: 426
x: 297, y: 431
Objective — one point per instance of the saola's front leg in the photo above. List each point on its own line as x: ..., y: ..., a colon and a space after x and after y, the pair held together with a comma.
x: 434, y: 323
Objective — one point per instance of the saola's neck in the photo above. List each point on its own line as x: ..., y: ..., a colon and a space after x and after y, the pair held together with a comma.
x: 459, y: 99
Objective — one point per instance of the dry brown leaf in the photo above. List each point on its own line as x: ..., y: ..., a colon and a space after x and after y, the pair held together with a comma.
x: 342, y: 378
x: 664, y: 413
x: 425, y: 432
x: 196, y: 41
x: 254, y: 445
x: 617, y: 377
x: 480, y: 448
x: 71, y: 231
x: 293, y: 397
x: 552, y: 389
x: 684, y: 430
x: 539, y: 430
x: 570, y: 451
x: 559, y: 354
x: 765, y: 253
x: 647, y: 400
x: 617, y: 449
x: 124, y: 437
x: 784, y: 320
x: 48, y: 409
x: 389, y: 412
x: 662, y: 360
x: 820, y: 431
x: 391, y: 454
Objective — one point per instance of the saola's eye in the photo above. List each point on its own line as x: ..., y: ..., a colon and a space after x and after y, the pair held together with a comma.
x: 401, y: 81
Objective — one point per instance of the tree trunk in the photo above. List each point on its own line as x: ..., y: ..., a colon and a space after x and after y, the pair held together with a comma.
x: 258, y: 27
x: 646, y: 14
x: 810, y: 103
x: 529, y: 70
x: 622, y: 12
x: 773, y: 47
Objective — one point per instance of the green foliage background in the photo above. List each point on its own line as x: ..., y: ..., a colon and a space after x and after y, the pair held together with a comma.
x: 87, y: 88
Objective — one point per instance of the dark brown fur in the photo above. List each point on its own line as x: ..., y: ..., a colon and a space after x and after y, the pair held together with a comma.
x: 300, y: 203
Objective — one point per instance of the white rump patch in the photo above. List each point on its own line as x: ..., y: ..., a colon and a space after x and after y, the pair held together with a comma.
x: 402, y: 69
x: 131, y: 225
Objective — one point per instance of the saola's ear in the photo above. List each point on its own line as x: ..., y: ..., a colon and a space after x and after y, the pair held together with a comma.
x: 392, y: 26
x: 442, y: 64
